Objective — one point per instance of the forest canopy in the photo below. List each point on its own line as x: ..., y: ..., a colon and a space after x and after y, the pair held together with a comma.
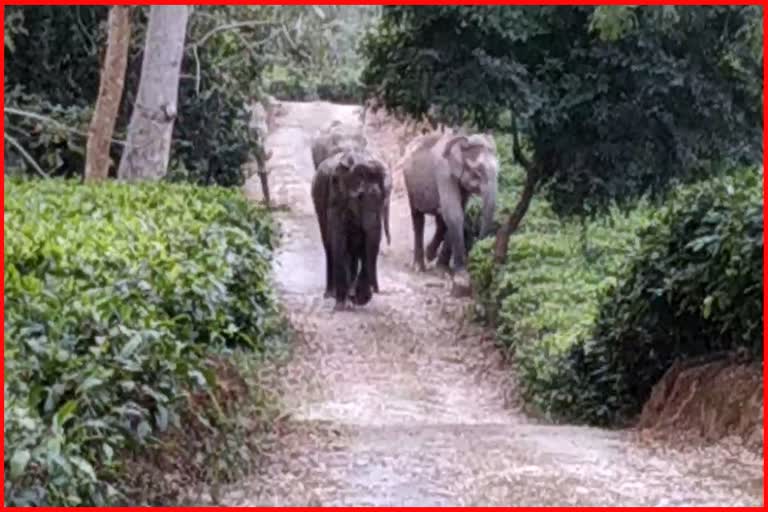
x: 614, y: 102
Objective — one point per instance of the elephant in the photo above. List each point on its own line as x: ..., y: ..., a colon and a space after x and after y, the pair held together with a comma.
x: 334, y: 138
x: 337, y: 137
x: 348, y: 192
x: 441, y: 171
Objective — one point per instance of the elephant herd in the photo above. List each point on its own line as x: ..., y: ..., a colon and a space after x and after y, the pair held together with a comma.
x: 351, y: 192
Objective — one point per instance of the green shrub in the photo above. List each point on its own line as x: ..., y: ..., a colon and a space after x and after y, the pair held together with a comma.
x: 114, y: 296
x: 595, y: 312
x: 340, y: 86
x: 694, y: 287
x: 211, y: 136
x: 546, y: 295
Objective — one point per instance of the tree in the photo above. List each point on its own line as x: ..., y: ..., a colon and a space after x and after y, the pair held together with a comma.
x: 110, y: 92
x: 613, y: 103
x: 148, y: 144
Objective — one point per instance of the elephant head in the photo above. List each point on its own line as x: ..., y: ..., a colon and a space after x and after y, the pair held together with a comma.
x: 359, y: 176
x: 336, y: 138
x: 474, y: 163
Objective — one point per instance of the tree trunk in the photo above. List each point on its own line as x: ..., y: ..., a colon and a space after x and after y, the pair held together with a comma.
x: 110, y: 92
x: 148, y: 144
x: 505, y: 231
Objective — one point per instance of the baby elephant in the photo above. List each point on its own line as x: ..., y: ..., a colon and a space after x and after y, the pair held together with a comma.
x: 348, y: 191
x: 337, y: 137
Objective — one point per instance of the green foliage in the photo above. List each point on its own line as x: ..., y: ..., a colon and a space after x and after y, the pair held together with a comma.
x: 319, y: 60
x: 693, y: 287
x: 114, y: 296
x: 54, y: 51
x: 305, y: 86
x: 52, y: 69
x: 211, y: 135
x: 615, y: 103
x: 595, y: 311
x: 545, y: 295
x: 220, y: 74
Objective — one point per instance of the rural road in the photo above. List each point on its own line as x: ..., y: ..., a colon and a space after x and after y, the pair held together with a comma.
x: 404, y: 403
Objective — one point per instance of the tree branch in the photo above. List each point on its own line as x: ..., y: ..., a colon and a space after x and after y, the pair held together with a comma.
x: 228, y: 26
x: 49, y: 120
x: 25, y: 155
x: 517, y: 151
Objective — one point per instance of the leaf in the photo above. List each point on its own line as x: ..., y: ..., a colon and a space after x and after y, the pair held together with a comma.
x: 319, y: 11
x: 88, y: 383
x: 65, y: 412
x: 130, y: 347
x: 108, y: 451
x: 19, y: 462
x: 162, y: 418
x: 143, y: 430
x: 84, y: 466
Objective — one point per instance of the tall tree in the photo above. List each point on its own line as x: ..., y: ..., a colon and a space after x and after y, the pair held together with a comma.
x: 613, y: 103
x: 110, y: 92
x: 148, y: 144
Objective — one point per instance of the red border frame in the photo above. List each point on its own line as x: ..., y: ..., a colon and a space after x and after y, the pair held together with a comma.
x: 410, y: 2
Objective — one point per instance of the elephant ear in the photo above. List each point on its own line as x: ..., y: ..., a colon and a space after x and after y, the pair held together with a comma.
x: 457, y: 167
x: 458, y: 139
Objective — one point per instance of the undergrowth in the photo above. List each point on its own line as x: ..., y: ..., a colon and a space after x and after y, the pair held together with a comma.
x: 122, y: 305
x: 593, y: 311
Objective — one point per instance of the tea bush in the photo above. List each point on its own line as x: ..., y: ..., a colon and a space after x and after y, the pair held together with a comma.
x: 693, y: 287
x: 115, y: 296
x: 546, y: 295
x: 594, y: 312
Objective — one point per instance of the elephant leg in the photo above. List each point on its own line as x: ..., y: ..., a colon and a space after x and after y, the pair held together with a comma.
x: 340, y: 262
x: 352, y: 273
x: 418, y: 240
x: 437, y: 239
x: 363, y: 293
x: 454, y: 221
x: 371, y: 258
x: 444, y: 259
x: 322, y: 218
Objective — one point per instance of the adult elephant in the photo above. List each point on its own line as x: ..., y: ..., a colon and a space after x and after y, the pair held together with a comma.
x: 348, y: 192
x: 441, y: 171
x: 338, y: 138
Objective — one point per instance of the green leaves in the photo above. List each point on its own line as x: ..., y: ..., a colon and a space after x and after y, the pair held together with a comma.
x: 114, y: 294
x: 692, y: 287
x: 618, y: 102
x: 596, y: 311
x: 19, y: 462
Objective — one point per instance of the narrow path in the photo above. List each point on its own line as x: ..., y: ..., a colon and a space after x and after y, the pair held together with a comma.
x: 403, y: 403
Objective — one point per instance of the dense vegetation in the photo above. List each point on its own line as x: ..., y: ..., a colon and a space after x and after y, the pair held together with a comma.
x: 320, y: 61
x: 593, y: 312
x: 614, y: 102
x: 116, y: 299
x: 602, y: 114
x: 234, y: 54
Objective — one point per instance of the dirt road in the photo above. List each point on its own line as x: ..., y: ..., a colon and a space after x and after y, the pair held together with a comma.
x: 403, y: 403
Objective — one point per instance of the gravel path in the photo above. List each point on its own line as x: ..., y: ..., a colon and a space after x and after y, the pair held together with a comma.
x: 403, y: 403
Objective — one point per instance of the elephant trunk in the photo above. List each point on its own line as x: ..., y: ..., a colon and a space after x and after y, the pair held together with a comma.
x: 385, y: 218
x: 489, y: 208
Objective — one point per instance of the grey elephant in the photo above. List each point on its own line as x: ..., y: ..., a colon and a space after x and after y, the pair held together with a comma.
x: 337, y: 138
x: 441, y: 171
x: 348, y: 192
